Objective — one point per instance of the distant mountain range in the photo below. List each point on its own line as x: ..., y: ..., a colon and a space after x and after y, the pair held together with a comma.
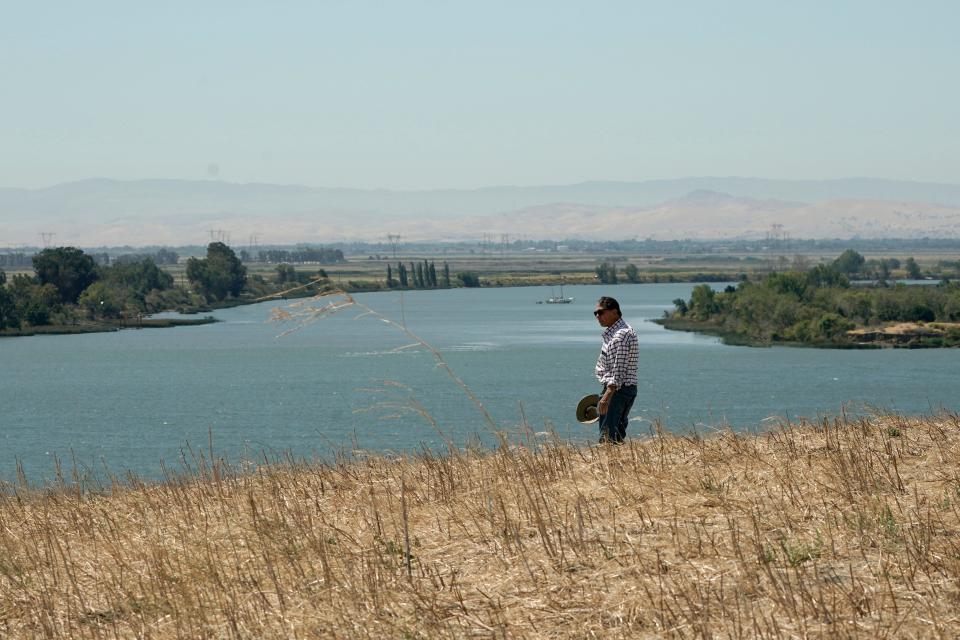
x: 101, y: 212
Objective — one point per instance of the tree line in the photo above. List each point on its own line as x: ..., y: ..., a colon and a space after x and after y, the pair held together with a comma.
x: 607, y: 273
x: 850, y: 262
x: 69, y: 286
x: 815, y: 306
x: 15, y: 260
x: 424, y: 275
x: 162, y: 257
x: 297, y: 256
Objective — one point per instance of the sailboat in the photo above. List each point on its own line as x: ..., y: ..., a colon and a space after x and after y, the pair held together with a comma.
x: 561, y: 299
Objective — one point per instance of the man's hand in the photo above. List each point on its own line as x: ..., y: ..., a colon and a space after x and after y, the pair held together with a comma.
x: 605, y: 399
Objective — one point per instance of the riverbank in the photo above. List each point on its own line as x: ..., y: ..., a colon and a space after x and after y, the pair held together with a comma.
x: 306, y: 290
x: 895, y: 335
x: 838, y: 528
x: 911, y: 335
x: 106, y: 326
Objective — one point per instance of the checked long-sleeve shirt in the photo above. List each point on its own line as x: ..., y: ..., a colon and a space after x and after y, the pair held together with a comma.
x: 617, y: 364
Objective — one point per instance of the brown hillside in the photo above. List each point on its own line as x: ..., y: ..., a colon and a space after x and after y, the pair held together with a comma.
x: 842, y: 528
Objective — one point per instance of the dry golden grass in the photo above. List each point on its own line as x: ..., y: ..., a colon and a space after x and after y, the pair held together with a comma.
x: 842, y: 528
x: 909, y: 328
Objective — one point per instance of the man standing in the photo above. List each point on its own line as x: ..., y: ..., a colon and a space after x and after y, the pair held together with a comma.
x: 616, y: 370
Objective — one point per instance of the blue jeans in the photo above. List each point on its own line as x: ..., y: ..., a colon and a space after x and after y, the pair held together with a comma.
x: 613, y: 424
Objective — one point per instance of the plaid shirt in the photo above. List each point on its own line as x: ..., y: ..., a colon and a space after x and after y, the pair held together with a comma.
x: 617, y: 363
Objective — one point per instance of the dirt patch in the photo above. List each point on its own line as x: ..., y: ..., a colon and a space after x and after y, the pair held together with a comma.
x: 902, y: 332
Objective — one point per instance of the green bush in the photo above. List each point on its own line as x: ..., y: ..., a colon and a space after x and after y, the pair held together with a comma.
x: 468, y: 279
x: 815, y: 306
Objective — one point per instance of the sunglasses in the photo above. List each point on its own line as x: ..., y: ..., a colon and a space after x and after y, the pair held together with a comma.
x: 600, y: 312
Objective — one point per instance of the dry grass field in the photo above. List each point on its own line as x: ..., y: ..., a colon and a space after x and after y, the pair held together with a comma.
x: 839, y: 528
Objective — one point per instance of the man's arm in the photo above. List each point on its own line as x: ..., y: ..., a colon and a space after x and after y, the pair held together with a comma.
x: 614, y: 350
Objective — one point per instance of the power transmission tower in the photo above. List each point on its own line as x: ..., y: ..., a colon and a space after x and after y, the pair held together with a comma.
x: 394, y: 240
x: 46, y: 238
x: 776, y: 230
x: 487, y: 243
x: 776, y: 237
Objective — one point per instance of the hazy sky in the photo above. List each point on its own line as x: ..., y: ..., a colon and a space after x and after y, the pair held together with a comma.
x: 411, y: 94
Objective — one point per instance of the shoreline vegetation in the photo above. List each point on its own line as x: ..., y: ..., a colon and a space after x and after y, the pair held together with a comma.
x: 104, y: 326
x: 840, y: 527
x: 896, y: 335
x: 820, y: 308
x: 68, y: 292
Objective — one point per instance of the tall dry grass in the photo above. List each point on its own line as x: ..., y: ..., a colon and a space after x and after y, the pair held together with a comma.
x: 839, y: 528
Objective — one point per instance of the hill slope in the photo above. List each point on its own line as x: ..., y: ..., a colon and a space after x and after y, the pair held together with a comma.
x: 842, y: 528
x: 109, y: 212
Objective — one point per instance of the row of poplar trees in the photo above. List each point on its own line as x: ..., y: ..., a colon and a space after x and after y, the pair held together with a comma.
x: 419, y: 275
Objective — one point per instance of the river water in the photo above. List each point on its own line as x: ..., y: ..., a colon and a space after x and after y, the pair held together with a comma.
x: 129, y: 400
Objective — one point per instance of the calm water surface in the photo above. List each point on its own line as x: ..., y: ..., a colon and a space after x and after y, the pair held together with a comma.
x: 130, y: 399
